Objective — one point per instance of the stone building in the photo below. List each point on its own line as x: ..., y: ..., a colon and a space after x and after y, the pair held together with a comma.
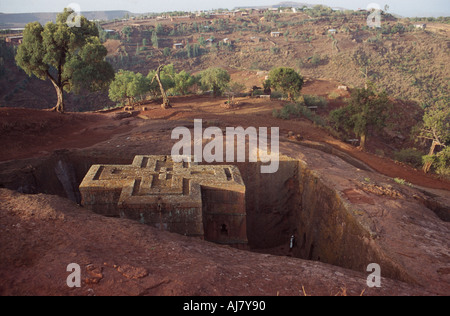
x: 184, y: 198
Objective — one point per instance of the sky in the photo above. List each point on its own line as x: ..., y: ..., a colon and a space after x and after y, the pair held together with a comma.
x: 405, y: 8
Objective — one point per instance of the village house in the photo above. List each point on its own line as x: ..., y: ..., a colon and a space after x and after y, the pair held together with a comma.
x: 14, y: 40
x: 178, y: 46
x: 420, y: 26
x: 275, y: 34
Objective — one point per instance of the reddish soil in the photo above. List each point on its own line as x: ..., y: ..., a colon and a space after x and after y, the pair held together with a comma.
x: 32, y: 133
x: 41, y: 235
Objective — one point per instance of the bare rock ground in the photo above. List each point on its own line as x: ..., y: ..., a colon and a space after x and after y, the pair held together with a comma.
x: 41, y: 235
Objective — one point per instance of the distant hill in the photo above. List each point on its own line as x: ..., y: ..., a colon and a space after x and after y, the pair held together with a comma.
x: 290, y: 4
x: 285, y: 4
x: 17, y: 20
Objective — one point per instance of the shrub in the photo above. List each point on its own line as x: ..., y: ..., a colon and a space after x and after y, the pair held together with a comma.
x: 216, y: 79
x: 166, y: 52
x: 410, y: 156
x: 296, y: 110
x: 440, y: 162
x: 443, y: 163
x: 334, y: 95
x: 258, y: 92
x: 402, y: 182
x: 276, y: 95
x: 276, y: 113
x: 316, y: 60
x: 275, y: 50
x: 314, y: 100
x: 286, y: 80
x: 287, y: 112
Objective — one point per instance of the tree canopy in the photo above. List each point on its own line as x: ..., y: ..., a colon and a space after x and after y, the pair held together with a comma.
x: 287, y: 80
x: 233, y: 90
x: 215, y: 79
x: 128, y: 85
x: 366, y: 112
x: 435, y: 129
x: 183, y: 82
x: 72, y: 58
x: 436, y: 124
x: 167, y: 77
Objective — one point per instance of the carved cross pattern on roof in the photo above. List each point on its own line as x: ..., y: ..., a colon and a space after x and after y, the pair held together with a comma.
x: 160, y: 176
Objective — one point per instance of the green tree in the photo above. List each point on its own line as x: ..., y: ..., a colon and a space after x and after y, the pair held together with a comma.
x: 233, y: 90
x: 166, y: 102
x: 316, y: 60
x: 155, y: 40
x: 215, y: 79
x: 202, y: 41
x: 196, y: 50
x: 128, y: 85
x: 127, y: 31
x: 166, y: 51
x: 362, y: 60
x: 159, y: 29
x: 435, y: 129
x: 189, y: 50
x: 183, y: 82
x: 366, y: 112
x: 72, y: 58
x: 267, y: 86
x: 167, y: 77
x: 287, y: 80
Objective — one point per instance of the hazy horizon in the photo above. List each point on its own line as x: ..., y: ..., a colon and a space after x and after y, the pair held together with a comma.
x: 405, y: 8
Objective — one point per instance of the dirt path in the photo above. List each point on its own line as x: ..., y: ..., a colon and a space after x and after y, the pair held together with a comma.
x: 32, y: 133
x: 28, y: 133
x: 258, y: 113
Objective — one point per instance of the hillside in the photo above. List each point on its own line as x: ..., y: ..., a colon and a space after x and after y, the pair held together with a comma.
x: 18, y: 20
x: 350, y: 223
x: 315, y: 226
x: 410, y: 63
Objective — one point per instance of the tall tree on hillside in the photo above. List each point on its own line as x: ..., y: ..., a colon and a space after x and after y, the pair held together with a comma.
x: 287, y: 80
x: 435, y: 129
x: 183, y: 82
x: 215, y: 79
x: 234, y: 89
x: 164, y: 78
x: 366, y: 112
x: 155, y: 40
x: 128, y: 85
x: 72, y: 58
x: 362, y: 60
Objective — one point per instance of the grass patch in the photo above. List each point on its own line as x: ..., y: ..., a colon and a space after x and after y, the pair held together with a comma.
x: 409, y: 156
x: 298, y: 110
x: 402, y: 182
x: 314, y: 100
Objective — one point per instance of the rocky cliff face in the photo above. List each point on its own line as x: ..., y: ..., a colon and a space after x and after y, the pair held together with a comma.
x: 343, y: 218
x: 42, y: 235
x: 350, y: 217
